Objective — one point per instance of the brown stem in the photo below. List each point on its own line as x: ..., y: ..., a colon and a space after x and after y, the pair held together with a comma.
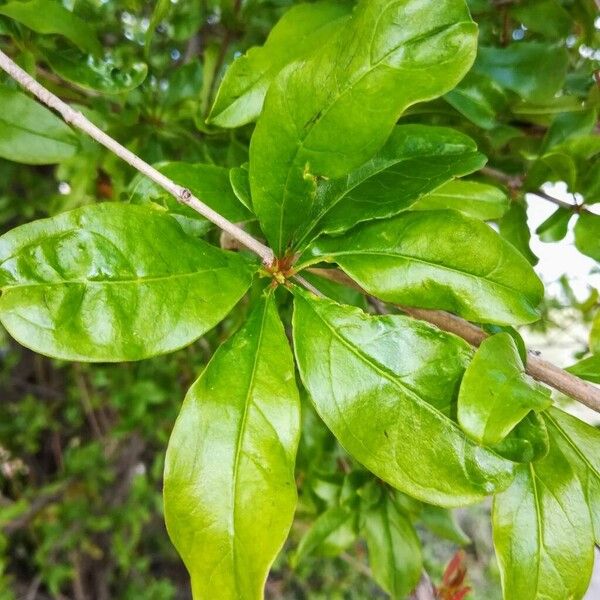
x: 537, y: 367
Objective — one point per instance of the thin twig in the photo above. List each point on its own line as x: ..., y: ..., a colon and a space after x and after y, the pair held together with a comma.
x: 537, y: 367
x: 181, y: 194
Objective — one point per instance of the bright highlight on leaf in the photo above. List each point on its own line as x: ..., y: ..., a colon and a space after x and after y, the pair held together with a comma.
x: 229, y: 485
x: 114, y: 282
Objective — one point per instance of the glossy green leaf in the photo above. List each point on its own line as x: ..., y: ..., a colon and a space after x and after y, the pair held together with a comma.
x: 331, y: 533
x: 210, y: 183
x: 30, y: 133
x: 229, y: 484
x: 496, y: 393
x: 50, y: 16
x: 556, y: 226
x: 329, y: 113
x: 587, y: 235
x: 474, y: 199
x: 527, y: 442
x: 394, y: 548
x: 513, y: 228
x: 415, y: 160
x: 301, y: 29
x: 533, y: 70
x: 581, y: 445
x: 400, y: 378
x: 96, y: 74
x: 543, y: 531
x: 113, y: 282
x: 588, y: 368
x: 478, y: 98
x: 437, y: 259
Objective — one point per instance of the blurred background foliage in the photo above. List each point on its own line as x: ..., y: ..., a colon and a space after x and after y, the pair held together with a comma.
x: 82, y: 447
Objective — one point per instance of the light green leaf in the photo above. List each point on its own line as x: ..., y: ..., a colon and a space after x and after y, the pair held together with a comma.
x: 496, y: 393
x: 587, y: 235
x: 543, y: 531
x: 229, y: 485
x: 331, y: 533
x: 595, y: 334
x: 97, y: 74
x: 113, y: 282
x: 415, y: 160
x: 394, y: 548
x: 534, y: 70
x: 400, y: 378
x: 30, y: 133
x: 437, y: 259
x: 588, y: 368
x: 50, y: 16
x: 474, y: 199
x: 210, y: 183
x: 238, y: 178
x: 513, y: 228
x: 301, y: 29
x: 581, y: 444
x: 527, y: 442
x: 335, y: 109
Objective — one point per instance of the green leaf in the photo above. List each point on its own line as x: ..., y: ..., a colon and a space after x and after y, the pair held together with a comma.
x: 543, y: 531
x: 49, y: 16
x: 513, y: 228
x: 527, y: 442
x: 30, y: 133
x: 496, y: 393
x: 96, y: 74
x: 595, y: 334
x: 556, y: 226
x: 229, y: 485
x: 394, y: 548
x: 400, y: 377
x: 581, y: 444
x: 474, y: 199
x: 210, y: 183
x: 301, y: 29
x: 547, y: 17
x: 587, y: 235
x: 442, y: 523
x: 415, y: 160
x: 437, y: 259
x: 238, y: 178
x: 332, y: 532
x: 534, y: 70
x: 479, y: 99
x: 335, y: 109
x: 113, y: 282
x: 588, y: 368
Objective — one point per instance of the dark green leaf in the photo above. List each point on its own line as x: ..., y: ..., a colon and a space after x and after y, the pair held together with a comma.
x: 329, y: 113
x: 556, y: 226
x: 97, y: 74
x: 393, y: 546
x: 30, y: 133
x: 300, y: 30
x: 496, y: 393
x: 50, y: 16
x: 533, y: 70
x: 543, y: 531
x: 414, y: 161
x: 587, y: 235
x: 476, y: 200
x: 229, y: 485
x: 400, y: 377
x: 113, y: 282
x: 437, y: 259
x: 544, y: 16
